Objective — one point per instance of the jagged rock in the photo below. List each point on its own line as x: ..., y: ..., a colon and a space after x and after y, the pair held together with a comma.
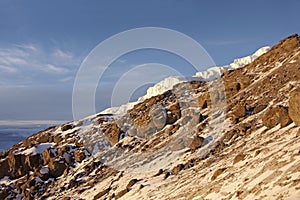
x: 269, y: 76
x: 17, y: 165
x: 56, y: 167
x: 67, y: 127
x: 239, y: 111
x: 79, y: 155
x: 158, y: 117
x: 172, y: 129
x: 112, y: 132
x: 244, y: 128
x: 4, y: 191
x: 4, y: 168
x: 48, y: 154
x: 57, y: 138
x: 45, y: 137
x: 33, y: 161
x: 276, y: 115
x: 173, y: 113
x: 177, y: 168
x: 294, y: 106
x: 204, y: 100
x: 63, y: 149
x: 196, y: 143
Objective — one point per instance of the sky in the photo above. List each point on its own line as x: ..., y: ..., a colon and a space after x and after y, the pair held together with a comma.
x: 44, y: 43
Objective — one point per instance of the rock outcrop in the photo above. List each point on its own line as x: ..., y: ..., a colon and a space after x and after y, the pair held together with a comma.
x: 188, y: 142
x: 294, y: 106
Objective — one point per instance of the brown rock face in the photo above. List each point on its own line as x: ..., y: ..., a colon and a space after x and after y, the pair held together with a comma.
x: 57, y: 167
x: 204, y: 101
x: 239, y: 111
x: 173, y: 113
x: 47, y: 155
x: 238, y: 158
x: 102, y: 193
x: 79, y: 155
x: 276, y: 115
x: 217, y: 173
x: 112, y: 133
x: 196, y: 143
x: 66, y: 127
x: 294, y: 106
x: 17, y: 165
x: 4, y: 168
x: 259, y: 108
x: 33, y: 161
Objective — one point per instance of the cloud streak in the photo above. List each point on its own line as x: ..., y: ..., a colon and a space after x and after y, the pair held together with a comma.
x: 28, y: 61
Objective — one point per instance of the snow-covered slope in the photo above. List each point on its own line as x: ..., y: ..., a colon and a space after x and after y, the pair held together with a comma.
x: 175, y: 145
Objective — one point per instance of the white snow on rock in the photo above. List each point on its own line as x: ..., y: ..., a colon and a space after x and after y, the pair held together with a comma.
x: 39, y: 149
x: 214, y: 72
x: 119, y: 110
x: 168, y: 83
x: 162, y: 86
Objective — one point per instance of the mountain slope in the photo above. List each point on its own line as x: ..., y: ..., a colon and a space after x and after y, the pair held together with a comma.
x: 200, y: 140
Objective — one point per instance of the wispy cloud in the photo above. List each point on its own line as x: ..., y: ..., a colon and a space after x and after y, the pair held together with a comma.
x: 34, y: 60
x: 66, y: 79
x: 6, y: 69
x: 54, y: 69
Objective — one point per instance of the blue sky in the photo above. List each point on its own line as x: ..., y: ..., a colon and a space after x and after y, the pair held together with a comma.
x: 42, y: 43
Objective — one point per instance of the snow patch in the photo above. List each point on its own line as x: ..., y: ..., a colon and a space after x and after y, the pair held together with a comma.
x: 39, y: 149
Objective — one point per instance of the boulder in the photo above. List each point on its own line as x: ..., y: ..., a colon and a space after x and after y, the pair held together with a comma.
x: 79, y: 155
x: 57, y: 167
x: 239, y: 111
x: 102, y: 193
x: 276, y: 115
x: 131, y: 183
x: 294, y: 106
x: 238, y: 158
x: 121, y: 193
x: 196, y: 143
x: 112, y: 132
x: 217, y: 173
x: 178, y: 168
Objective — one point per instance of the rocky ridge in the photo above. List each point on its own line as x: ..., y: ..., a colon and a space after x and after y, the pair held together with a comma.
x: 236, y: 137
